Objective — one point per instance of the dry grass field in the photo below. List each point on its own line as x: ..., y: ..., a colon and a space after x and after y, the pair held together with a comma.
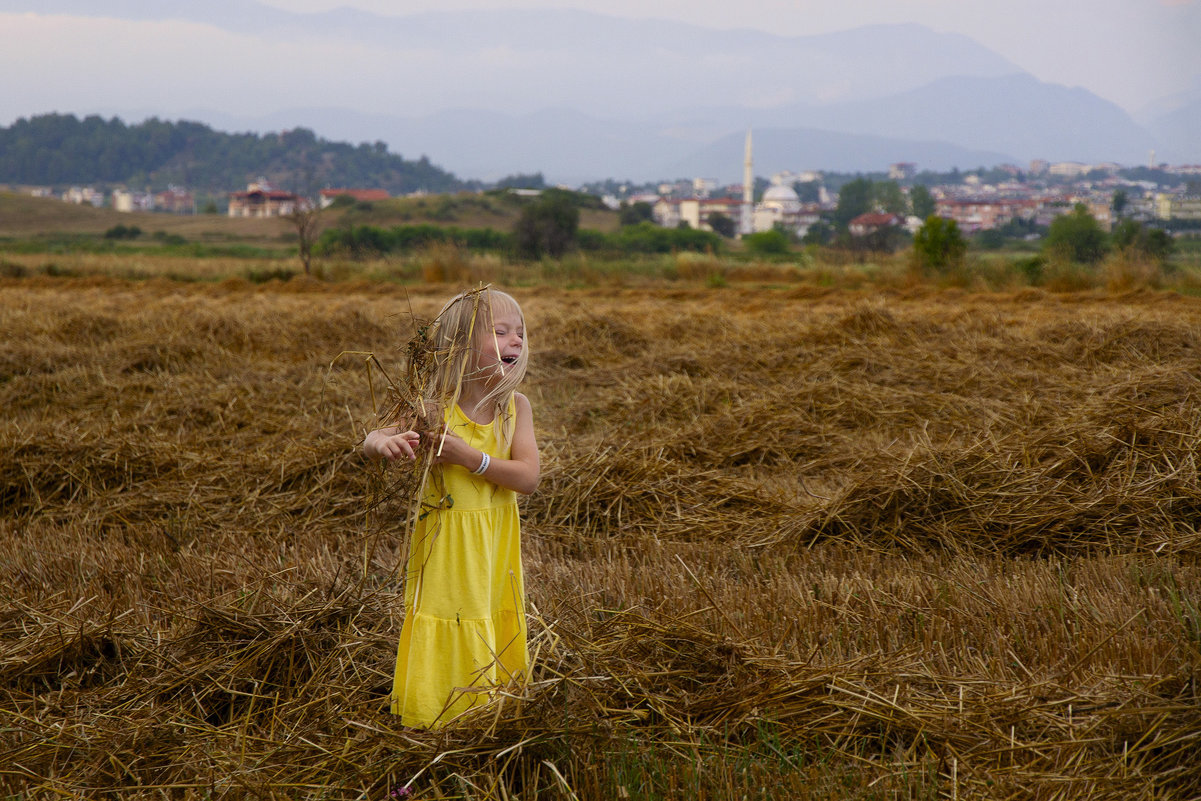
x: 789, y: 543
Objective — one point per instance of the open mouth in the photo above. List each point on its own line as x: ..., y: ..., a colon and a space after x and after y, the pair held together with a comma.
x: 509, y: 359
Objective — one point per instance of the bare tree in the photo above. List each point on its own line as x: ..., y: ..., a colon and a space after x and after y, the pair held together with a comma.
x: 306, y: 219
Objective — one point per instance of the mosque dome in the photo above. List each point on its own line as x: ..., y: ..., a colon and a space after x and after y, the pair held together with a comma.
x: 781, y: 199
x: 781, y: 194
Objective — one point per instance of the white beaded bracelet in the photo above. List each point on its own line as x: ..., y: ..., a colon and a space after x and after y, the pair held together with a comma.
x: 479, y: 471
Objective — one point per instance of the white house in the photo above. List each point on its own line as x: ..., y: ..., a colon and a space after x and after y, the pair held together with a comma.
x: 128, y: 200
x: 80, y: 195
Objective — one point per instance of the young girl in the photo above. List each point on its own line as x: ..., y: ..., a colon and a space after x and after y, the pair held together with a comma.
x: 464, y: 629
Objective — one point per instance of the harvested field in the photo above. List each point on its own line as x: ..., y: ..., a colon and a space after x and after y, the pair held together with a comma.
x: 790, y: 543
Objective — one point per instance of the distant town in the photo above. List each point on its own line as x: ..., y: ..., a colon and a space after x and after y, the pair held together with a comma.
x: 1004, y: 197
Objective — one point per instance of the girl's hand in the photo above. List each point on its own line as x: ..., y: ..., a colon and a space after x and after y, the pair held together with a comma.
x: 390, y: 444
x: 454, y: 450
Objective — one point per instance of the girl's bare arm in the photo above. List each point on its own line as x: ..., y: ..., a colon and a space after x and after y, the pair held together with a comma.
x: 521, y: 471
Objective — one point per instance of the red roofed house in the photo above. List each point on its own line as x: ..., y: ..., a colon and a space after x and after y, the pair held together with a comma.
x: 176, y: 200
x: 359, y: 195
x: 260, y: 200
x: 980, y: 215
x: 872, y: 222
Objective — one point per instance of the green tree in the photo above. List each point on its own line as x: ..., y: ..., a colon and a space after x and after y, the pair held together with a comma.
x: 634, y: 213
x: 854, y: 198
x: 766, y: 243
x: 1133, y: 237
x: 884, y: 239
x: 808, y: 191
x: 887, y: 195
x: 922, y: 201
x: 938, y: 246
x: 1120, y: 200
x: 1125, y: 234
x: 1076, y: 236
x: 548, y: 226
x: 722, y: 224
x: 820, y: 233
x: 989, y: 239
x: 522, y: 181
x: 1158, y: 244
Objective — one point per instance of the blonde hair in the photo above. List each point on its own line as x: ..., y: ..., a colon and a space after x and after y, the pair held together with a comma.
x: 465, y: 320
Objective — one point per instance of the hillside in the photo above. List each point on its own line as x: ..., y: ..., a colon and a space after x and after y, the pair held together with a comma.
x: 22, y: 216
x: 58, y: 149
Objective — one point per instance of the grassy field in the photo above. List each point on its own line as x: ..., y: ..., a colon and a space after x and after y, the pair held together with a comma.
x: 47, y: 237
x: 807, y: 541
x: 23, y: 216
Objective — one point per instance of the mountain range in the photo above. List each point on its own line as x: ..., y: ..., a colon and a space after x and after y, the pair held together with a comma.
x: 941, y: 125
x: 580, y: 96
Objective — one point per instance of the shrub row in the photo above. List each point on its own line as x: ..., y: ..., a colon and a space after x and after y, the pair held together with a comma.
x: 369, y: 241
x: 646, y: 237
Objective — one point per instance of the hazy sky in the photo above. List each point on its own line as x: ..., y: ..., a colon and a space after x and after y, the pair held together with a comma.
x: 1127, y: 51
x: 1132, y: 52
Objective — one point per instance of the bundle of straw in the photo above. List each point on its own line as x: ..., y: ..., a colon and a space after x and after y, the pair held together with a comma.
x: 431, y: 382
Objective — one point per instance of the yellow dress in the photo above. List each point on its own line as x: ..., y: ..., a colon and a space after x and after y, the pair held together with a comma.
x: 464, y: 630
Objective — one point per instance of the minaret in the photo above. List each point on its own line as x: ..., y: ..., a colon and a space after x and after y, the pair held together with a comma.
x: 748, y: 190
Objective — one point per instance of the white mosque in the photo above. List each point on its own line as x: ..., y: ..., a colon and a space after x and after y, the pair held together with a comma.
x: 779, y: 206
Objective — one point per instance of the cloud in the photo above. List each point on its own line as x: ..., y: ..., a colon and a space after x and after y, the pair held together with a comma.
x: 70, y: 63
x: 1130, y: 52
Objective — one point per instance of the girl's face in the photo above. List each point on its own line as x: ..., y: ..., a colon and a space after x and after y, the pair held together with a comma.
x: 498, y: 348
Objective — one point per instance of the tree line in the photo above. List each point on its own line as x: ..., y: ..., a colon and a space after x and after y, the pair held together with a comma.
x: 61, y: 149
x: 548, y: 225
x: 939, y: 247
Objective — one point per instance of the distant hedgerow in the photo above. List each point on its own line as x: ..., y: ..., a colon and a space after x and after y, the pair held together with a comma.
x: 123, y: 232
x: 371, y: 241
